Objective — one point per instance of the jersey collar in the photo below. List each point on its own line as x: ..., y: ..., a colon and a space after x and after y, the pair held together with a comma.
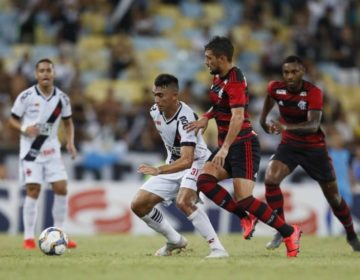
x: 174, y: 116
x: 47, y: 98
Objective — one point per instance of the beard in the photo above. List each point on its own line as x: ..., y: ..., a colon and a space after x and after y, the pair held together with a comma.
x: 214, y: 71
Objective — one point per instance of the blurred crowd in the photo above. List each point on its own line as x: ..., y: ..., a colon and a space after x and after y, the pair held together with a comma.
x: 107, y: 52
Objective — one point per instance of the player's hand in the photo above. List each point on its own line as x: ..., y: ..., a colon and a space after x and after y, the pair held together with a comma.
x: 219, y: 158
x: 72, y: 150
x: 277, y: 127
x: 269, y: 127
x: 32, y: 131
x: 197, y: 125
x: 148, y: 170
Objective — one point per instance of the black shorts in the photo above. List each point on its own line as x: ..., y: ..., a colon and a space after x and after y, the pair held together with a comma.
x: 243, y: 159
x: 315, y: 161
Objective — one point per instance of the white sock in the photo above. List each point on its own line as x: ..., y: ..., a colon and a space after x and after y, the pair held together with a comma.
x: 29, y: 217
x: 203, y: 225
x: 59, y: 210
x: 157, y: 222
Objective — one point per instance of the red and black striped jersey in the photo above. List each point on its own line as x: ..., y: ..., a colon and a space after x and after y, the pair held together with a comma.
x: 226, y: 93
x: 294, y: 107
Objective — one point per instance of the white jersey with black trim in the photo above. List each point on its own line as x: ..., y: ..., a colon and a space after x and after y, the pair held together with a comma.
x: 174, y: 135
x: 34, y: 108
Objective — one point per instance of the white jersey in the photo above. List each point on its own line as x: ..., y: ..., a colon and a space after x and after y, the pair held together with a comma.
x: 34, y: 108
x: 174, y: 135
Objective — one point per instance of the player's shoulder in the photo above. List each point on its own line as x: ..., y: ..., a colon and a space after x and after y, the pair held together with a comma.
x: 154, y: 110
x: 27, y: 93
x: 274, y: 85
x: 186, y: 110
x: 61, y: 93
x: 312, y: 88
x: 236, y: 75
x: 63, y: 96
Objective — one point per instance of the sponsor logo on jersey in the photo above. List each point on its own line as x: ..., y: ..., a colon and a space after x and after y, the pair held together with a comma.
x: 281, y: 91
x: 303, y: 93
x: 281, y: 103
x: 25, y: 95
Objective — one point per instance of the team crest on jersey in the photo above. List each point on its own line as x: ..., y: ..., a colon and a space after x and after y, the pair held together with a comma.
x: 302, y: 105
x: 303, y: 93
x: 281, y: 91
x: 281, y: 103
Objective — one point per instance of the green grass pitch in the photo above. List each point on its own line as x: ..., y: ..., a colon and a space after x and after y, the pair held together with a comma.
x: 130, y: 257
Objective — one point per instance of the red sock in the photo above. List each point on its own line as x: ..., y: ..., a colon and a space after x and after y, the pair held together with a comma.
x: 265, y: 214
x: 275, y: 199
x: 208, y: 185
x: 342, y: 212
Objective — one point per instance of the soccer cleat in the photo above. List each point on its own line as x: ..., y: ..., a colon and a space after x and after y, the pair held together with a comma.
x: 292, y: 242
x: 166, y: 250
x: 71, y: 244
x: 355, y: 244
x: 248, y: 225
x: 217, y: 254
x: 29, y: 244
x: 275, y: 242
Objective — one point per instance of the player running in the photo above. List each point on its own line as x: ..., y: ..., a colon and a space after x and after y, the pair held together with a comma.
x: 302, y: 143
x: 176, y: 179
x: 238, y: 154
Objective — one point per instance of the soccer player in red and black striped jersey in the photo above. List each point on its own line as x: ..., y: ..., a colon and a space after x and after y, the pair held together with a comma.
x: 238, y: 155
x: 302, y: 143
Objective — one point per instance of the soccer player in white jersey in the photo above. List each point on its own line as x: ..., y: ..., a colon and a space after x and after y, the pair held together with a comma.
x: 36, y: 114
x: 186, y: 154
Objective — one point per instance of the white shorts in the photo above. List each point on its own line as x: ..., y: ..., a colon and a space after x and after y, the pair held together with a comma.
x: 50, y: 171
x: 167, y: 186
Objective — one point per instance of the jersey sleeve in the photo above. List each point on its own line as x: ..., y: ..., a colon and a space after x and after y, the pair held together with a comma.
x: 19, y: 106
x: 315, y: 99
x: 186, y: 138
x: 237, y: 94
x: 270, y: 88
x: 209, y: 114
x: 66, y: 112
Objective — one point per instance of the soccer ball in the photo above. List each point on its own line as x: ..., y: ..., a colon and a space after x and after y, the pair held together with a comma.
x: 53, y: 241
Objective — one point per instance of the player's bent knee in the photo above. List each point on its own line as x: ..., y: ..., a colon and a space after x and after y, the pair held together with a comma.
x: 186, y: 206
x: 33, y: 190
x: 210, y: 168
x: 60, y: 187
x: 136, y: 207
x: 61, y: 191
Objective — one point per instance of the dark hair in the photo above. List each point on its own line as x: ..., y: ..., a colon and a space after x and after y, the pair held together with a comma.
x: 221, y: 46
x: 44, y: 60
x: 165, y: 80
x: 293, y: 59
